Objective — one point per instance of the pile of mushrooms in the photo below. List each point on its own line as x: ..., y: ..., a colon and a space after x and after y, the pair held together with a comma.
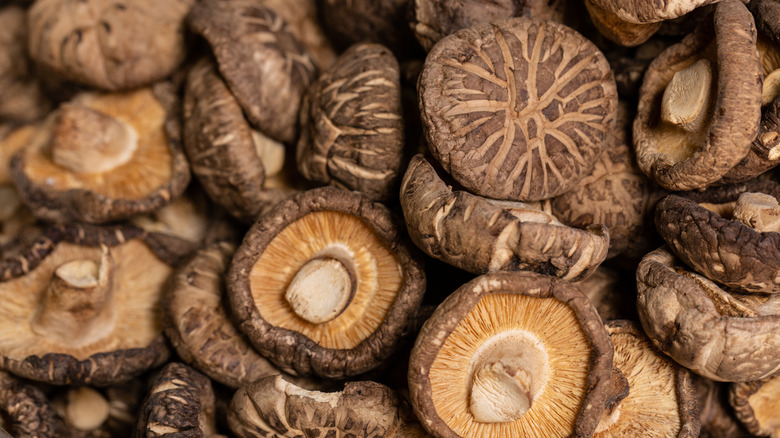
x: 397, y: 218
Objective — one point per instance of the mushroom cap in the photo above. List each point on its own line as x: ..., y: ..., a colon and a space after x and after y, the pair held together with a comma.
x: 618, y: 30
x: 106, y: 44
x: 718, y: 246
x: 271, y: 406
x: 518, y: 109
x: 303, y: 18
x: 767, y: 15
x: 552, y: 317
x: 702, y: 327
x: 154, y: 173
x: 643, y: 11
x: 481, y: 235
x: 181, y: 402
x: 261, y: 59
x: 123, y: 340
x: 755, y: 404
x: 26, y: 412
x: 352, y: 123
x: 312, y: 230
x: 685, y: 160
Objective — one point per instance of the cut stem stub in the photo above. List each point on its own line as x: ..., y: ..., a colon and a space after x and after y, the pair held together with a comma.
x: 322, y: 289
x: 687, y: 96
x: 759, y: 211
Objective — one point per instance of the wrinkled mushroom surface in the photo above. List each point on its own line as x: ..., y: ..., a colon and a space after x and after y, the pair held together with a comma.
x: 755, y: 404
x: 618, y: 30
x: 483, y: 235
x: 303, y: 18
x: 639, y: 11
x: 25, y: 411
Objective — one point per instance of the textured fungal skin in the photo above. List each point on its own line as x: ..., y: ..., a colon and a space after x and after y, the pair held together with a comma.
x: 642, y: 11
x: 519, y: 109
x: 352, y: 124
x: 480, y: 235
x: 26, y: 410
x: 739, y: 398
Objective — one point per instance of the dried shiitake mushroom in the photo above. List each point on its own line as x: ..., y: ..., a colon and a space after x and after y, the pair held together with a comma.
x: 352, y: 124
x: 86, y: 310
x: 510, y: 355
x: 303, y: 18
x: 617, y: 29
x: 265, y: 66
x: 181, y: 402
x: 109, y: 44
x: 483, y: 235
x: 518, y: 109
x: 101, y: 158
x: 274, y: 407
x: 378, y: 21
x: 719, y: 335
x: 731, y: 235
x: 325, y: 283
x: 755, y: 404
x: 25, y: 411
x: 700, y: 103
x: 109, y: 412
x: 661, y: 398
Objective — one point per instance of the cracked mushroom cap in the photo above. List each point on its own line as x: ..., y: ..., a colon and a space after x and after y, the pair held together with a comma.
x: 723, y: 336
x: 25, y: 411
x: 231, y: 160
x: 661, y: 398
x: 273, y: 406
x: 109, y: 44
x: 734, y: 239
x: 541, y: 369
x: 755, y: 404
x: 483, y: 235
x: 325, y: 284
x: 700, y: 103
x: 352, y: 123
x: 101, y: 158
x: 261, y: 59
x: 180, y: 402
x: 518, y: 109
x: 86, y: 309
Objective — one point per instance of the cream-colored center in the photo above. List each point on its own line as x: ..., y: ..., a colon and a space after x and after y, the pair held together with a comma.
x: 771, y: 88
x: 321, y: 290
x: 271, y: 152
x: 687, y: 96
x: 758, y: 211
x: 506, y: 375
x: 87, y: 409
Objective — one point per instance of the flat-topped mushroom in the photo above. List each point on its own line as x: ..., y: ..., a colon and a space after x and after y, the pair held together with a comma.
x: 100, y: 158
x: 25, y: 411
x: 700, y: 103
x: 275, y: 407
x: 263, y: 63
x: 510, y: 355
x: 87, y: 311
x: 755, y: 404
x: 483, y: 235
x: 325, y: 283
x: 109, y: 44
x: 719, y: 335
x: 352, y: 123
x: 518, y: 109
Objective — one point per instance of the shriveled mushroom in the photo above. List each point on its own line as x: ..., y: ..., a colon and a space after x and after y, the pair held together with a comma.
x: 719, y: 335
x: 263, y: 63
x: 509, y: 355
x: 755, y: 404
x: 352, y: 124
x: 100, y: 158
x: 303, y: 18
x: 325, y: 284
x: 482, y: 235
x: 86, y: 311
x: 25, y: 411
x: 518, y: 109
x: 109, y: 44
x: 700, y: 103
x: 273, y: 406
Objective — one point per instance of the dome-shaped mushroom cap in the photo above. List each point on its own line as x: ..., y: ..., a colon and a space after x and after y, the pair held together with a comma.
x: 643, y: 11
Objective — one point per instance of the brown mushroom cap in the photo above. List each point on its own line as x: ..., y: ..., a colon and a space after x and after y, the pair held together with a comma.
x: 352, y: 123
x: 709, y: 239
x: 303, y: 18
x: 661, y: 398
x: 642, y: 11
x: 702, y: 327
x: 181, y: 402
x: 86, y: 309
x: 482, y: 235
x: 100, y: 158
x: 325, y: 284
x: 518, y: 109
x: 696, y: 133
x: 262, y: 61
x: 755, y: 404
x: 274, y: 407
x: 539, y: 370
x: 618, y: 30
x: 25, y: 411
x: 107, y: 44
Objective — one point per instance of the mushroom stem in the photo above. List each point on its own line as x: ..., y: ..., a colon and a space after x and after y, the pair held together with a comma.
x: 9, y: 202
x: 321, y: 289
x: 88, y: 141
x: 77, y: 306
x: 501, y: 392
x: 758, y: 211
x: 771, y: 88
x: 687, y: 96
x: 86, y: 408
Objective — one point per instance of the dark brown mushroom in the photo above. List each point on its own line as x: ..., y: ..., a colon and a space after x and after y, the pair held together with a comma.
x: 482, y: 235
x: 325, y: 284
x: 303, y: 18
x: 755, y: 404
x: 25, y: 411
x: 518, y: 109
x: 352, y: 124
x: 539, y: 370
x: 263, y: 63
